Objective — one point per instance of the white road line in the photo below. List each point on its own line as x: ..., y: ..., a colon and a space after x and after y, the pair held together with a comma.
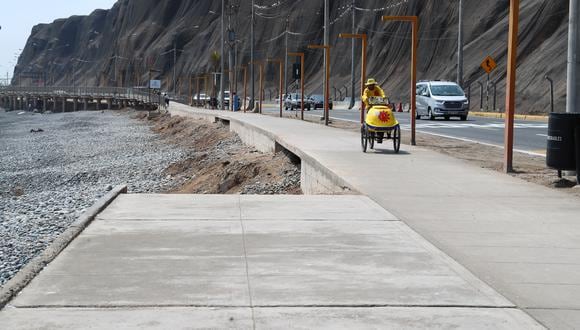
x: 543, y: 135
x: 407, y: 128
x: 482, y: 143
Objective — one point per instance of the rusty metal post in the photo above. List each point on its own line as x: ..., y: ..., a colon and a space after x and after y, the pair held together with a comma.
x: 190, y: 90
x: 281, y: 66
x: 301, y: 55
x: 245, y: 85
x: 261, y: 86
x: 510, y: 102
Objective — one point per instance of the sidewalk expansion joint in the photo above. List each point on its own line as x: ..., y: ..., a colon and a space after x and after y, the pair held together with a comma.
x: 459, y: 306
x: 247, y: 266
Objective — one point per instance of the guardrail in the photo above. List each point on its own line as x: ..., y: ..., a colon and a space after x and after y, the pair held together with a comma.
x: 134, y: 93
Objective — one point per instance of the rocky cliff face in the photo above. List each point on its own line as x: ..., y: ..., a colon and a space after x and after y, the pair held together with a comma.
x: 117, y: 47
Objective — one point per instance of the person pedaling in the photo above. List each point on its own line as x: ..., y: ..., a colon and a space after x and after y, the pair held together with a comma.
x: 373, y: 90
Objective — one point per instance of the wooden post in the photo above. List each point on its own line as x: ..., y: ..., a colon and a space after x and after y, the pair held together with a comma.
x: 510, y: 104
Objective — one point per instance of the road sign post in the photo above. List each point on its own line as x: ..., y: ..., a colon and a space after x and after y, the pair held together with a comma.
x: 488, y: 65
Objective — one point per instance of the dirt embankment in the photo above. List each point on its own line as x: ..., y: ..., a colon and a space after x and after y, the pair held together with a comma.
x: 218, y: 162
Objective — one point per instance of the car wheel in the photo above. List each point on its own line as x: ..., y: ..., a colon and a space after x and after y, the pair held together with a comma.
x: 417, y: 115
x: 431, y: 116
x: 446, y: 117
x: 463, y: 118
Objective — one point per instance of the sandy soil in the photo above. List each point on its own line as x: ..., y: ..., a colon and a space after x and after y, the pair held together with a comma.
x: 219, y: 163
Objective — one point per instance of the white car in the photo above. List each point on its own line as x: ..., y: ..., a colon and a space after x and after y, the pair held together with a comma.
x: 441, y: 99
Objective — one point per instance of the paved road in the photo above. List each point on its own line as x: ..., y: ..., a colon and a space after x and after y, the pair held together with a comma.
x: 530, y: 136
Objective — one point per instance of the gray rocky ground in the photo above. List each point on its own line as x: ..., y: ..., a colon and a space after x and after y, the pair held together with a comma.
x: 47, y: 179
x: 54, y: 166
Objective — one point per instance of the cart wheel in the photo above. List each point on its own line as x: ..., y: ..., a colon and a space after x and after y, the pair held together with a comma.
x: 397, y: 139
x: 371, y: 137
x: 363, y: 138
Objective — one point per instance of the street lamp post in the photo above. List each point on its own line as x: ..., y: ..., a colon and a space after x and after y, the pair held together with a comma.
x: 281, y: 66
x: 415, y: 25
x: 301, y: 55
x: 326, y: 80
x: 363, y: 70
x: 261, y: 83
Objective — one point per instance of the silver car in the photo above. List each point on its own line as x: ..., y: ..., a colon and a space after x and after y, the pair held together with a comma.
x: 441, y: 99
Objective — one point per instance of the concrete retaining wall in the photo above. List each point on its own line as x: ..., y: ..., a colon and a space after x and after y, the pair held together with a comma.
x: 315, y: 179
x: 254, y: 137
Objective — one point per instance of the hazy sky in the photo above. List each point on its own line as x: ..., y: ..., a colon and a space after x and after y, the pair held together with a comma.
x: 17, y: 17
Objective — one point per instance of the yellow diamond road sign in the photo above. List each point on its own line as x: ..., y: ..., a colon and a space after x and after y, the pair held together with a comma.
x: 488, y: 64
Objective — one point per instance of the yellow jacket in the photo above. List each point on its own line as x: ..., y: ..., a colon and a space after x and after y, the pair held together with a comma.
x: 377, y: 92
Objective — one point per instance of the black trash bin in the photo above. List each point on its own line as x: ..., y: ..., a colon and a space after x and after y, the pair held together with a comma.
x: 563, y: 152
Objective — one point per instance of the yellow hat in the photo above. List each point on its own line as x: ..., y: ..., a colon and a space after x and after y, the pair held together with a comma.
x: 371, y: 81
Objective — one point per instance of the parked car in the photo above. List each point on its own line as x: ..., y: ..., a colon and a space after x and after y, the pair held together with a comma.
x: 318, y: 101
x: 203, y: 98
x: 294, y: 102
x: 226, y: 98
x: 441, y: 99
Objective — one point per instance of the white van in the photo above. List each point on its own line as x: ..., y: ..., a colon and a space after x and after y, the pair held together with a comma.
x: 441, y: 99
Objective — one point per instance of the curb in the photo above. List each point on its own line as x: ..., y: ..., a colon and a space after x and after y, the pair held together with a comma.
x: 35, y: 266
x: 501, y: 115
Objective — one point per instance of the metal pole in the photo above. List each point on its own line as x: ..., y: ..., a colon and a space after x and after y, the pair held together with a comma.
x: 302, y: 85
x: 326, y: 57
x: 222, y: 61
x: 510, y: 104
x: 190, y: 90
x: 327, y: 84
x: 487, y: 94
x: 551, y: 82
x: 480, y: 95
x: 252, y: 75
x: 174, y: 65
x: 494, y: 84
x: 414, y: 80
x: 353, y: 46
x: 261, y: 92
x: 460, y: 46
x: 363, y: 77
x: 282, y: 73
x: 286, y: 59
x: 245, y: 86
x: 572, y: 100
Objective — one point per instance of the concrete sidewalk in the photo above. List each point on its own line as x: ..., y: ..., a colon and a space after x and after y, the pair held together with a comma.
x: 262, y: 262
x: 521, y: 238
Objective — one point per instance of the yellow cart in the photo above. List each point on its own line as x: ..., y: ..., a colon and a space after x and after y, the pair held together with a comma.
x: 380, y: 124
